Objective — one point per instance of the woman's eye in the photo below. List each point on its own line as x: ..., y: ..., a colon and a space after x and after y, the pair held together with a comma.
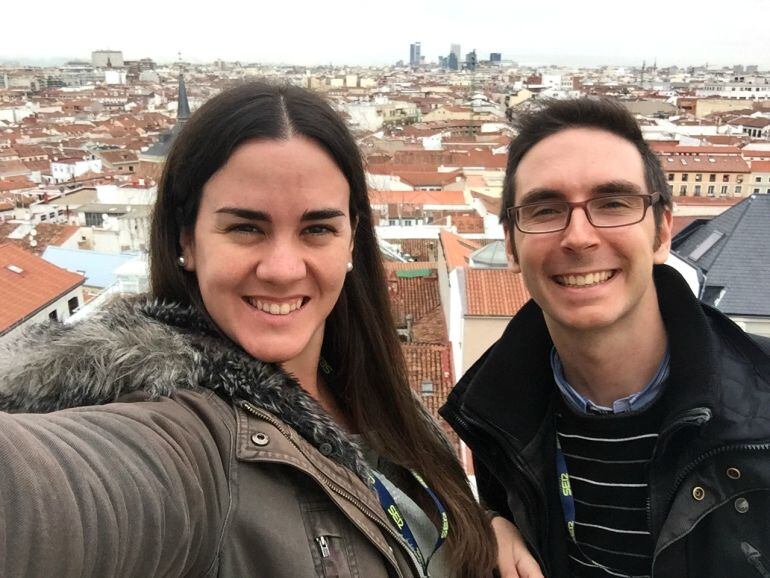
x: 319, y: 229
x: 245, y: 228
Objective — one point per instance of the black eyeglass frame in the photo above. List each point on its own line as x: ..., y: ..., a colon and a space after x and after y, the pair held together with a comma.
x: 650, y: 199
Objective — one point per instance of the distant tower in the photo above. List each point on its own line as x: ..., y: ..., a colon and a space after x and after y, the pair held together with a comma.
x: 455, y: 49
x: 159, y: 150
x: 470, y: 60
x: 182, y: 105
x: 414, y: 55
x: 452, y: 62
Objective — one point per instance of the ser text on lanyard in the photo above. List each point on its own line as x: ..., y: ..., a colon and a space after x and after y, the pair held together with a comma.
x: 565, y: 491
x: 398, y: 521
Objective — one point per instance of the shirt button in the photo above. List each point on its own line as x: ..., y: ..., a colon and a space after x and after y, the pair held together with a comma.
x: 325, y: 448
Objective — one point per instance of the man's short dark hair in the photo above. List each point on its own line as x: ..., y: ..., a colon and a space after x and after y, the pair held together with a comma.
x: 597, y: 113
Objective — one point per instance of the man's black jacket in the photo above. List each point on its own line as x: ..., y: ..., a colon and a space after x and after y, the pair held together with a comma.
x: 717, y: 406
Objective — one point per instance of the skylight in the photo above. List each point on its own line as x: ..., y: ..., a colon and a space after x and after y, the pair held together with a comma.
x: 705, y: 245
x: 15, y: 268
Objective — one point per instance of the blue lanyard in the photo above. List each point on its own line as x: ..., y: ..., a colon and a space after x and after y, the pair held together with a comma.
x: 565, y: 491
x: 399, y: 522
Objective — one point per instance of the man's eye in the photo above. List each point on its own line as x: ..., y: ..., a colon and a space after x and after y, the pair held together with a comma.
x: 610, y: 204
x: 541, y: 211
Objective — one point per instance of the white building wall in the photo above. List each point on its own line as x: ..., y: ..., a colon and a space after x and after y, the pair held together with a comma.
x: 60, y: 306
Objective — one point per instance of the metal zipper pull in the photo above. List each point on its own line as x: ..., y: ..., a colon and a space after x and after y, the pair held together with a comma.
x: 324, y: 545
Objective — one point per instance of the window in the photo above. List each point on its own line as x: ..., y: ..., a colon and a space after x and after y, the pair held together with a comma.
x: 43, y: 218
x: 711, y: 191
x: 670, y: 176
x: 53, y: 316
x: 712, y: 178
x: 698, y: 177
x: 683, y: 190
x: 757, y: 179
x: 738, y: 190
x: 94, y: 220
x: 723, y: 190
x: 725, y: 178
x: 685, y: 176
x: 756, y: 191
x: 697, y: 191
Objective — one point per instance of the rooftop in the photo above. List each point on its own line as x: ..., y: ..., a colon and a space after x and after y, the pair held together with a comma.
x: 28, y: 284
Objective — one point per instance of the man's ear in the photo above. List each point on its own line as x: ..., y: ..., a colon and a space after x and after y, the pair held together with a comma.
x: 663, y: 237
x: 188, y: 251
x: 510, y: 251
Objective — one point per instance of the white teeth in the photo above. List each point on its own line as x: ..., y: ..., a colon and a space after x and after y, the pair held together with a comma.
x: 276, y: 308
x: 583, y: 280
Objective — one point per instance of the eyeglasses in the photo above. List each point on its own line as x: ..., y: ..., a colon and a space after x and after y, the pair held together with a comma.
x: 602, y: 212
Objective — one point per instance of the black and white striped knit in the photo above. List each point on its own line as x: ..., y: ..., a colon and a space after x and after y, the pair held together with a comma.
x: 607, y: 458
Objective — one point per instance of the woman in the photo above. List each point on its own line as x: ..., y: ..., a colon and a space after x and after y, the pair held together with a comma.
x: 251, y: 417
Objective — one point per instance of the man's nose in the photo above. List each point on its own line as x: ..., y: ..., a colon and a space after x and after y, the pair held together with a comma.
x: 580, y: 234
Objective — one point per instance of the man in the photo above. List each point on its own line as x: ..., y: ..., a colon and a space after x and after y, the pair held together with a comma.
x: 619, y: 423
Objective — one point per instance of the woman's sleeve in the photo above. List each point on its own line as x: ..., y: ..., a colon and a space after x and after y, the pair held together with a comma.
x: 129, y: 489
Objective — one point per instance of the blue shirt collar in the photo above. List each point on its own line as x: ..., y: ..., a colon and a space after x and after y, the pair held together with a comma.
x: 634, y: 402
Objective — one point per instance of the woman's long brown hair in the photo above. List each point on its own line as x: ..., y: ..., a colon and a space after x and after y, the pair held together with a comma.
x: 360, y: 337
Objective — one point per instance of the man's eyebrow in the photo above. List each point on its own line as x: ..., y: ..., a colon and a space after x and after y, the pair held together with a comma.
x: 539, y: 195
x: 249, y: 214
x: 619, y: 187
x: 321, y: 214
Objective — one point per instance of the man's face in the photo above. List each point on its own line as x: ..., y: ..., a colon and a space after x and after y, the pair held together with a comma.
x: 584, y: 278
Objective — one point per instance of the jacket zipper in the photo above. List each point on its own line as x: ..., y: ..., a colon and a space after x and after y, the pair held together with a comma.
x: 324, y: 546
x: 328, y: 483
x: 690, y: 418
x: 464, y: 421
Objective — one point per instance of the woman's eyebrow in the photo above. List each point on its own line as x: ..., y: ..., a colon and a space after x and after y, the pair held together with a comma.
x: 249, y: 214
x: 321, y: 214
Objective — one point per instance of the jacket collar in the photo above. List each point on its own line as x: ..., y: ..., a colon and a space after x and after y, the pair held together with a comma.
x: 511, y: 386
x: 158, y: 348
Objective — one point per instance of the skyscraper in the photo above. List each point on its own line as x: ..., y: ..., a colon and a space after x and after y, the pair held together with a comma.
x: 470, y: 60
x: 414, y: 54
x: 455, y: 49
x: 454, y: 59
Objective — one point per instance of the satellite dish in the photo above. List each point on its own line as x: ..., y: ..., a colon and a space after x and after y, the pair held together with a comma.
x: 33, y: 233
x: 33, y: 243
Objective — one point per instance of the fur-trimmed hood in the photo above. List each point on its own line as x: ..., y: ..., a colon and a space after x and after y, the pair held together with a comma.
x: 142, y: 344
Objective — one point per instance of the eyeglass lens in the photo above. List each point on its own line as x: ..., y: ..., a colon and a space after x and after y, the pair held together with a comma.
x: 614, y: 211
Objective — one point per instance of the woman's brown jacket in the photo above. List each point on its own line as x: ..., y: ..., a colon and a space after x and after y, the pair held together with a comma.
x: 139, y: 443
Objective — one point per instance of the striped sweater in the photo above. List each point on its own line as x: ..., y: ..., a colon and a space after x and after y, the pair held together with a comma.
x: 607, y: 458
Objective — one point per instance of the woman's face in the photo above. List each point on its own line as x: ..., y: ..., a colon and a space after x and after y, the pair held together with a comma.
x: 270, y: 247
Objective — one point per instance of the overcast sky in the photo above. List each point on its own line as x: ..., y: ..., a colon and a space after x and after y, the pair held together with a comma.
x: 361, y: 32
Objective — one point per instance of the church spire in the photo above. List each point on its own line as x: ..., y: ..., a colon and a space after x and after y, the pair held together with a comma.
x: 182, y: 107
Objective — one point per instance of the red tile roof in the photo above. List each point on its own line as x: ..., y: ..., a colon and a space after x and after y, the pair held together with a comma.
x: 494, y: 292
x: 760, y: 166
x: 415, y: 296
x: 456, y: 249
x: 431, y: 363
x: 34, y: 284
x: 47, y: 234
x: 673, y: 147
x: 703, y: 164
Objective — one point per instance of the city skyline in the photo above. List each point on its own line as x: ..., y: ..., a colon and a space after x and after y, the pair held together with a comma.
x: 344, y: 33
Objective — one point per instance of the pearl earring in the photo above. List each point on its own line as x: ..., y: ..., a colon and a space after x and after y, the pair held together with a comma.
x: 181, y: 260
x: 349, y: 266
